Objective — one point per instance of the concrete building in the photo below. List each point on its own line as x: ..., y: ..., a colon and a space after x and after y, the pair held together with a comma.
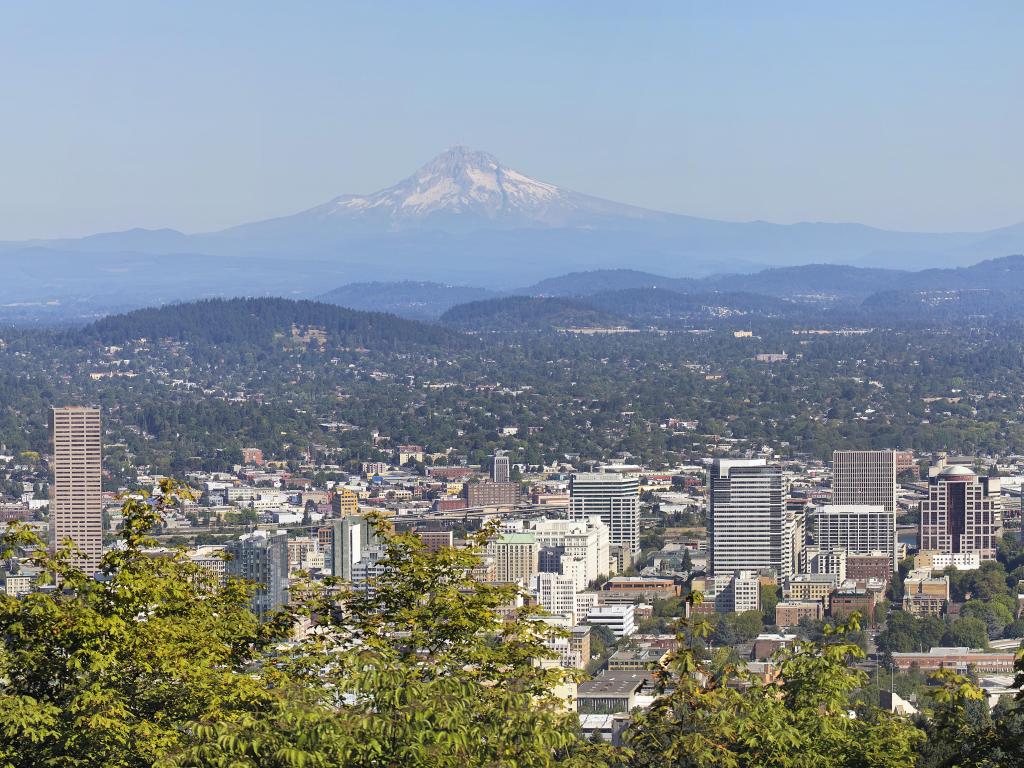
x: 76, y: 496
x: 501, y: 469
x: 516, y: 556
x: 344, y: 541
x: 809, y: 586
x: 614, y: 498
x: 931, y: 560
x: 262, y: 558
x: 555, y: 593
x: 637, y: 589
x: 961, y: 513
x: 858, y: 529
x: 345, y: 502
x: 832, y: 563
x: 864, y: 477
x: 748, y: 524
x: 577, y: 548
x: 734, y: 593
x: 620, y: 619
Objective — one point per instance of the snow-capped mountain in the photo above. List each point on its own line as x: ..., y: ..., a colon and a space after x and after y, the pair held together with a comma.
x: 463, y: 218
x: 461, y: 190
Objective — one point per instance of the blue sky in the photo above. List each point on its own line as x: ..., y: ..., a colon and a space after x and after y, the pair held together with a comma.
x: 200, y: 115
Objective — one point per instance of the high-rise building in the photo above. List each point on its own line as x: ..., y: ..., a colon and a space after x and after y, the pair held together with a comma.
x: 864, y: 477
x: 76, y: 503
x: 344, y: 541
x: 576, y: 548
x: 516, y: 556
x: 262, y: 558
x: 749, y: 526
x: 501, y: 470
x: 961, y: 513
x: 555, y: 593
x: 614, y: 498
x: 857, y: 529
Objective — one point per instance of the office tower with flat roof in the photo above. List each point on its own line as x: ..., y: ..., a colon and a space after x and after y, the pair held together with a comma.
x: 864, y: 477
x: 612, y: 497
x: 262, y: 558
x: 501, y: 470
x: 748, y: 524
x: 857, y: 529
x: 516, y: 556
x: 76, y: 496
x: 961, y: 513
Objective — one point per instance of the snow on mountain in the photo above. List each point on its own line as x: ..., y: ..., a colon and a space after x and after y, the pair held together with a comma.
x: 464, y: 188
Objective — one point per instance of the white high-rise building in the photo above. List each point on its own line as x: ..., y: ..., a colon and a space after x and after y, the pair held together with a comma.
x: 76, y: 496
x: 864, y: 477
x: 858, y: 529
x: 612, y: 497
x: 555, y: 593
x: 576, y: 548
x: 748, y: 524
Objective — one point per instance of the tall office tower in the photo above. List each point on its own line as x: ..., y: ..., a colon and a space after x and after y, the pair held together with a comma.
x: 961, y: 513
x: 864, y: 477
x: 748, y: 524
x: 76, y: 503
x: 261, y: 557
x: 857, y: 529
x: 612, y: 497
x: 516, y: 556
x: 501, y: 470
x: 344, y: 541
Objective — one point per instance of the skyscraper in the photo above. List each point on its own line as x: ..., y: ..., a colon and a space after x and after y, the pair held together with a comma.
x: 864, y: 477
x: 344, y: 540
x: 961, y: 513
x: 261, y: 557
x: 76, y: 503
x: 858, y: 529
x: 748, y: 524
x: 614, y: 498
x: 501, y: 471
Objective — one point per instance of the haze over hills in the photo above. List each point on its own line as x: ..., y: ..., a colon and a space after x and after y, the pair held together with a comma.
x: 465, y: 218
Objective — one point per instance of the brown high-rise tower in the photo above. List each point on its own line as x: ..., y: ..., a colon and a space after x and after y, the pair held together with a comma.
x: 76, y: 496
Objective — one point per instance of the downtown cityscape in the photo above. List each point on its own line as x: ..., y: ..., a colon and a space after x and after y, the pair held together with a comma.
x: 717, y: 462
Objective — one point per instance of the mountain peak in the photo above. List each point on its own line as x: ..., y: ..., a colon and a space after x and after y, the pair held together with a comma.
x: 462, y: 182
x: 459, y: 157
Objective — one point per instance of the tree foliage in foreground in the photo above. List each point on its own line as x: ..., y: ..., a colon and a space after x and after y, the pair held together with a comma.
x: 158, y: 664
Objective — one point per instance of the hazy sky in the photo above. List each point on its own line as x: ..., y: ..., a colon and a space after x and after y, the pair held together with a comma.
x: 201, y: 115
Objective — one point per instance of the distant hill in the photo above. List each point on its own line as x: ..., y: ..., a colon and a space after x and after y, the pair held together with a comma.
x: 264, y: 321
x: 657, y: 305
x: 515, y: 313
x: 410, y: 299
x: 598, y: 280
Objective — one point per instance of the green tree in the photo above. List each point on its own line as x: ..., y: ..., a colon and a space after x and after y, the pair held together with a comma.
x: 967, y: 631
x: 727, y: 720
x: 109, y: 672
